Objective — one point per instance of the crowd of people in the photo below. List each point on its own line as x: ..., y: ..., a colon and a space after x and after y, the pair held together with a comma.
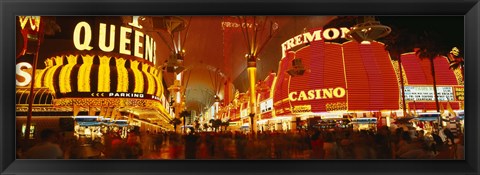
x: 384, y: 143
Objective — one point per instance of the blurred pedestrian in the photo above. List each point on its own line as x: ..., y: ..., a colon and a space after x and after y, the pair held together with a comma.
x: 316, y: 142
x: 191, y: 145
x: 330, y: 146
x: 47, y: 148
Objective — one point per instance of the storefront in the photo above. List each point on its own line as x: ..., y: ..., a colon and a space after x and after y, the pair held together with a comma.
x: 366, y: 123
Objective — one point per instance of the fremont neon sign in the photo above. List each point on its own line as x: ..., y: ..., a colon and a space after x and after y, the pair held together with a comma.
x: 317, y: 35
x: 316, y: 94
x: 143, y: 45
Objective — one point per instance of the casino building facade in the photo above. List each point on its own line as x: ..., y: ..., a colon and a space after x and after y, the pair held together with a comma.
x: 349, y: 80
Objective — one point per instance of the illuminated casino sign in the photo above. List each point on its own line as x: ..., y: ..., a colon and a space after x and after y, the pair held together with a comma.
x: 317, y: 35
x: 317, y: 94
x: 337, y: 77
x: 350, y: 76
x: 425, y: 93
x: 129, y: 41
x: 107, y: 61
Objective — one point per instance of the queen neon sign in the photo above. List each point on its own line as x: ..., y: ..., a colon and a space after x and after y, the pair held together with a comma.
x: 143, y: 47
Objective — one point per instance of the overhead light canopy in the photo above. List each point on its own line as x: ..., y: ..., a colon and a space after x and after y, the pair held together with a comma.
x: 367, y: 31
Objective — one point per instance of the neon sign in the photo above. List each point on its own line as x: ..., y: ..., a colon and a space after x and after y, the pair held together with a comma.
x: 316, y: 94
x: 302, y: 109
x: 27, y: 78
x: 317, y: 35
x: 142, y: 45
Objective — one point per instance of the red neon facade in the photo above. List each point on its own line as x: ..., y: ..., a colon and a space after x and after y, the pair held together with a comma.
x: 419, y: 73
x: 372, y: 83
x: 364, y: 71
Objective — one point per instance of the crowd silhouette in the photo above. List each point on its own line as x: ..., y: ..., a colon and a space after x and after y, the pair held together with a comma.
x: 383, y: 143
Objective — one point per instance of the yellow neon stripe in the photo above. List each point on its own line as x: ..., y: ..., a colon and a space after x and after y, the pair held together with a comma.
x: 151, y: 81
x: 84, y: 74
x: 38, y: 78
x: 42, y: 78
x: 139, y: 84
x: 122, y: 77
x: 104, y: 74
x: 158, y: 80
x: 272, y: 90
x: 51, y: 72
x: 64, y: 77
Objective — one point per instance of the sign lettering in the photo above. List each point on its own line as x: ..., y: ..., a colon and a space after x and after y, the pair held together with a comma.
x: 317, y: 35
x: 130, y: 41
x: 460, y: 93
x: 425, y: 93
x: 302, y: 109
x: 27, y: 78
x: 316, y: 94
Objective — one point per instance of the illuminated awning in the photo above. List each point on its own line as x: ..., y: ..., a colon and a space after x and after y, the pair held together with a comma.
x: 91, y: 74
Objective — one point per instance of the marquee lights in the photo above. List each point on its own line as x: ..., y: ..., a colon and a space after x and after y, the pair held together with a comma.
x: 139, y: 85
x: 122, y: 75
x: 38, y: 78
x: 106, y: 102
x: 339, y: 106
x: 65, y: 73
x: 151, y: 88
x: 104, y: 74
x: 147, y: 75
x: 50, y: 73
x: 157, y: 74
x: 84, y: 73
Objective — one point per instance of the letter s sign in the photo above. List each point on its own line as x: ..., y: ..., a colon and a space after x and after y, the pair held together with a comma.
x: 25, y: 75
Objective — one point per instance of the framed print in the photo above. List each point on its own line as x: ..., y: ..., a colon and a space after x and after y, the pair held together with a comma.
x: 252, y: 87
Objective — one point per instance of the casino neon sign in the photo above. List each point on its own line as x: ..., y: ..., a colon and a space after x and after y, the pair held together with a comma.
x: 316, y: 94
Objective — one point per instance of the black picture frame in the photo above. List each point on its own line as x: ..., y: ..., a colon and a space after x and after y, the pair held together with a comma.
x: 9, y: 9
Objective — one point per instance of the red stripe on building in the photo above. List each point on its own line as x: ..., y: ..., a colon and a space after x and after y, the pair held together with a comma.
x: 418, y: 71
